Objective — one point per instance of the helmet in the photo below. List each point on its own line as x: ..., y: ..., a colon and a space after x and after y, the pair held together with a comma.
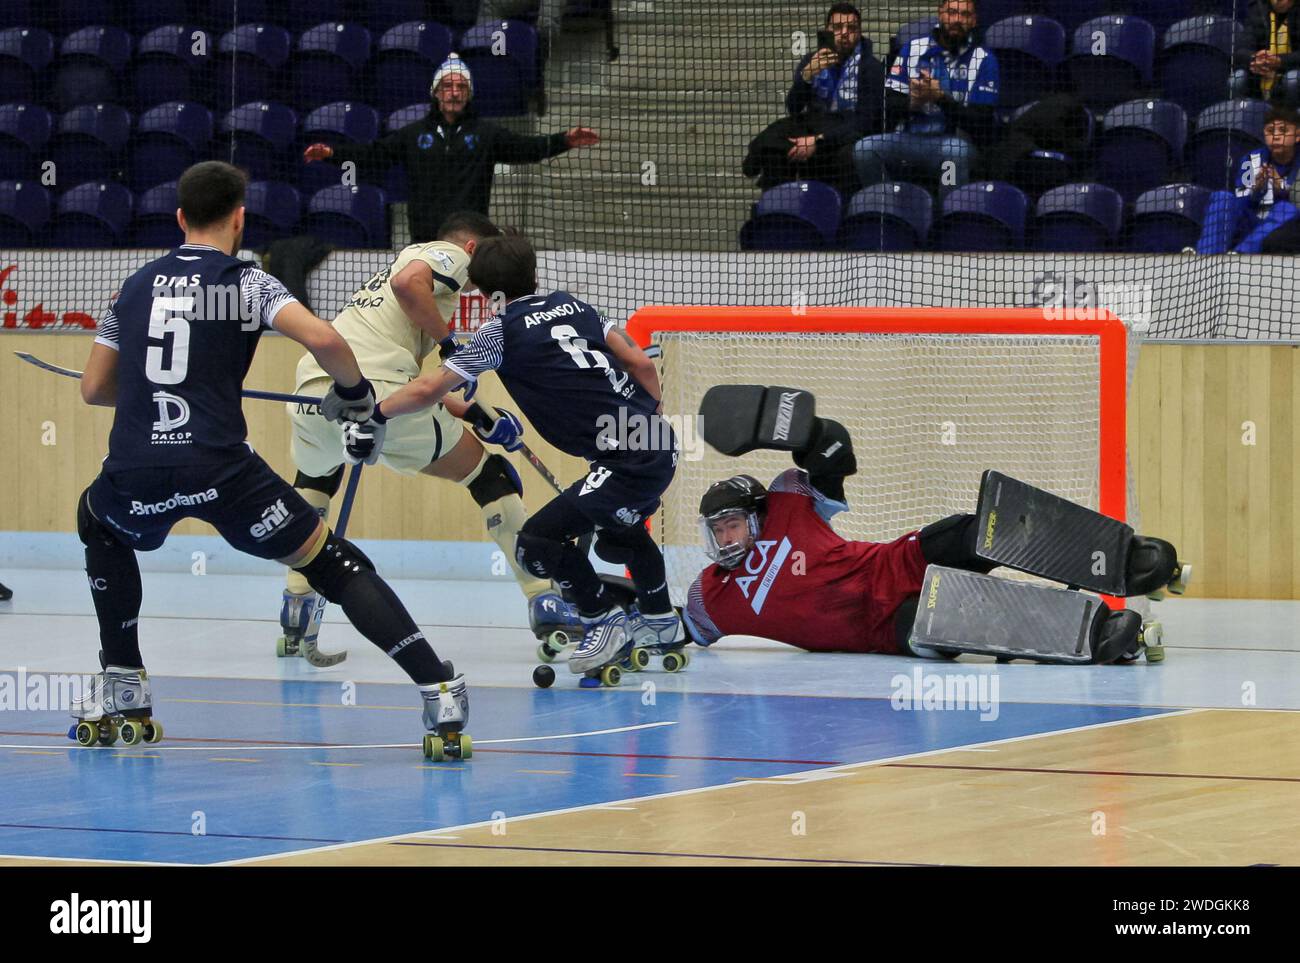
x: 739, y: 495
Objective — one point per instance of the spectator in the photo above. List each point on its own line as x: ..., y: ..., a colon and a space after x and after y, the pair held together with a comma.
x: 939, y: 98
x: 449, y: 154
x: 1262, y: 202
x: 1268, y: 45
x: 837, y: 97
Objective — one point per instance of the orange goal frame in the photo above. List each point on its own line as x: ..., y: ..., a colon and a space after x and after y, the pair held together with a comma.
x: 1112, y: 339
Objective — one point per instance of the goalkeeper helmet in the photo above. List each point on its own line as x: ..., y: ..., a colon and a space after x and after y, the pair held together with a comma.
x: 739, y: 497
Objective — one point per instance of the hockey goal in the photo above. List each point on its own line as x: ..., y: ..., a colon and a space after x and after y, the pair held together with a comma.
x: 932, y: 397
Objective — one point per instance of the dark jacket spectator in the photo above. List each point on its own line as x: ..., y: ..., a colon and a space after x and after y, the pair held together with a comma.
x: 1260, y: 65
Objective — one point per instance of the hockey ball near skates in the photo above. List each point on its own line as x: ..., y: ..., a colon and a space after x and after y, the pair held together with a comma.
x: 543, y: 676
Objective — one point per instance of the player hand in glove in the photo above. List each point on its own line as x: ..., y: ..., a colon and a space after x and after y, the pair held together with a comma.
x: 505, y: 430
x: 349, y: 404
x: 362, y: 442
x: 447, y: 347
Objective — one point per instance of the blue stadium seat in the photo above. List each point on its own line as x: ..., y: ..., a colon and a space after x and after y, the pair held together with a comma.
x: 1078, y: 217
x: 1196, y: 63
x: 1042, y: 170
x: 1168, y: 219
x: 168, y: 138
x: 383, y: 15
x: 352, y: 217
x: 1161, y: 14
x: 92, y: 215
x: 154, y: 223
x: 1072, y: 13
x: 88, y: 143
x: 166, y: 68
x: 887, y: 217
x: 1112, y: 59
x: 503, y: 80
x: 24, y: 213
x: 263, y: 135
x: 1029, y: 51
x: 90, y: 67
x: 404, y: 64
x: 339, y: 123
x: 271, y: 211
x: 798, y: 216
x: 983, y: 216
x: 1141, y: 146
x: 1224, y: 133
x: 395, y: 185
x: 253, y: 54
x: 24, y: 131
x: 991, y: 11
x: 25, y: 52
x: 328, y: 63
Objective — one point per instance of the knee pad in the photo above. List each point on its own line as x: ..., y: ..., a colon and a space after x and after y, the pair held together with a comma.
x: 329, y: 485
x: 538, y: 556
x: 496, y: 479
x: 620, y: 545
x: 951, y: 541
x: 335, y: 565
x: 90, y: 528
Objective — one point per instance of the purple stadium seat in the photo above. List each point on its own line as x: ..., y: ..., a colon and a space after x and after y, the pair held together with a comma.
x: 1141, y: 146
x: 271, y: 211
x: 887, y: 217
x: 154, y: 223
x: 258, y: 52
x: 1196, y: 63
x: 1078, y: 217
x: 405, y: 61
x: 24, y: 213
x: 25, y: 52
x: 1029, y: 51
x: 92, y: 215
x: 983, y: 216
x: 168, y: 138
x: 1161, y: 14
x: 1071, y: 13
x: 338, y: 123
x: 798, y: 216
x: 166, y: 68
x: 24, y: 131
x: 89, y: 142
x: 1168, y: 219
x: 328, y: 63
x: 90, y: 67
x: 353, y: 217
x: 383, y: 15
x: 1112, y: 59
x: 263, y: 135
x: 1224, y: 133
x: 503, y: 80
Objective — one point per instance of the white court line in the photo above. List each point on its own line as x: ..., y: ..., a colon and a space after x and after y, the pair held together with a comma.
x: 390, y: 745
x: 702, y: 789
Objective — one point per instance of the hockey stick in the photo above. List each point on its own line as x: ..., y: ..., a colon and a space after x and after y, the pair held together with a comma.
x: 308, y: 648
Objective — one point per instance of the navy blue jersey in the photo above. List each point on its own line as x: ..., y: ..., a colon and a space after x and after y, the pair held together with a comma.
x: 185, y: 328
x: 551, y: 355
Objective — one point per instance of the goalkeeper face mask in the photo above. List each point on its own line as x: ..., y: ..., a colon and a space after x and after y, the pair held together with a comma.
x: 729, y: 535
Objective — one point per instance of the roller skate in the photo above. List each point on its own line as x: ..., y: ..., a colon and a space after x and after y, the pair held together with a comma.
x: 555, y: 622
x: 446, y: 713
x: 661, y: 635
x: 1154, y: 569
x: 119, y: 703
x: 604, y: 645
x: 300, y: 618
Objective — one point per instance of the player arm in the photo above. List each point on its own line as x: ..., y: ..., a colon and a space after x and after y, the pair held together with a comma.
x: 483, y: 353
x: 99, y: 380
x: 637, y: 363
x: 701, y: 628
x: 326, y: 345
x: 414, y: 286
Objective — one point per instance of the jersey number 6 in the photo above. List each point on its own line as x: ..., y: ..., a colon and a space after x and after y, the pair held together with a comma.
x: 168, y: 317
x: 577, y: 349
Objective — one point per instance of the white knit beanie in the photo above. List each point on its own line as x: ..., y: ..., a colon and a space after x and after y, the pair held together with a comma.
x: 452, y: 65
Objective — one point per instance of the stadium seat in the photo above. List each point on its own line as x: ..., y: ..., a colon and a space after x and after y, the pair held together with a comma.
x: 1287, y: 89
x: 395, y: 186
x: 90, y: 67
x: 24, y: 131
x: 88, y: 143
x: 1029, y: 50
x: 24, y: 213
x: 404, y: 64
x: 25, y: 52
x: 1070, y: 14
x: 991, y: 11
x: 798, y: 216
x: 1196, y: 63
x: 263, y: 135
x: 1111, y: 59
x: 253, y: 54
x: 384, y: 15
x: 351, y: 217
x: 168, y: 138
x: 145, y: 16
x: 1224, y: 133
x: 1161, y: 14
x: 1141, y: 146
x: 340, y: 123
x: 504, y: 77
x: 887, y: 217
x: 154, y: 223
x: 271, y: 211
x: 983, y: 216
x: 328, y: 63
x: 1078, y: 217
x: 166, y: 68
x: 92, y: 215
x: 302, y: 15
x: 1168, y: 219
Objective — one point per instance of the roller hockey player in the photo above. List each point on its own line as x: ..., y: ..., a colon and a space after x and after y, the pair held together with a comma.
x: 590, y: 391
x: 391, y: 324
x: 171, y: 355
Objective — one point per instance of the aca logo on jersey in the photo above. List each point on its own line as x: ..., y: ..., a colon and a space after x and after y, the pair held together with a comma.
x: 273, y: 518
x: 173, y: 412
x: 762, y: 570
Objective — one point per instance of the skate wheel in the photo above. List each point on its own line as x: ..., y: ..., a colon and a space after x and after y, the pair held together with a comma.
x: 1155, y: 653
x: 1182, y: 578
x: 611, y: 675
x: 558, y: 640
x: 107, y: 732
x: 640, y: 658
x: 673, y: 662
x: 153, y: 732
x: 466, y: 746
x: 132, y: 733
x: 433, y: 748
x: 545, y: 653
x: 85, y: 734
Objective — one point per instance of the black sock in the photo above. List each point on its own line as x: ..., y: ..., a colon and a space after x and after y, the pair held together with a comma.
x: 378, y: 614
x: 114, y: 575
x: 575, y: 575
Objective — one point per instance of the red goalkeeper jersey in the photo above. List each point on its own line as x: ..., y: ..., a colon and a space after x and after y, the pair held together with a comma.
x: 804, y: 585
